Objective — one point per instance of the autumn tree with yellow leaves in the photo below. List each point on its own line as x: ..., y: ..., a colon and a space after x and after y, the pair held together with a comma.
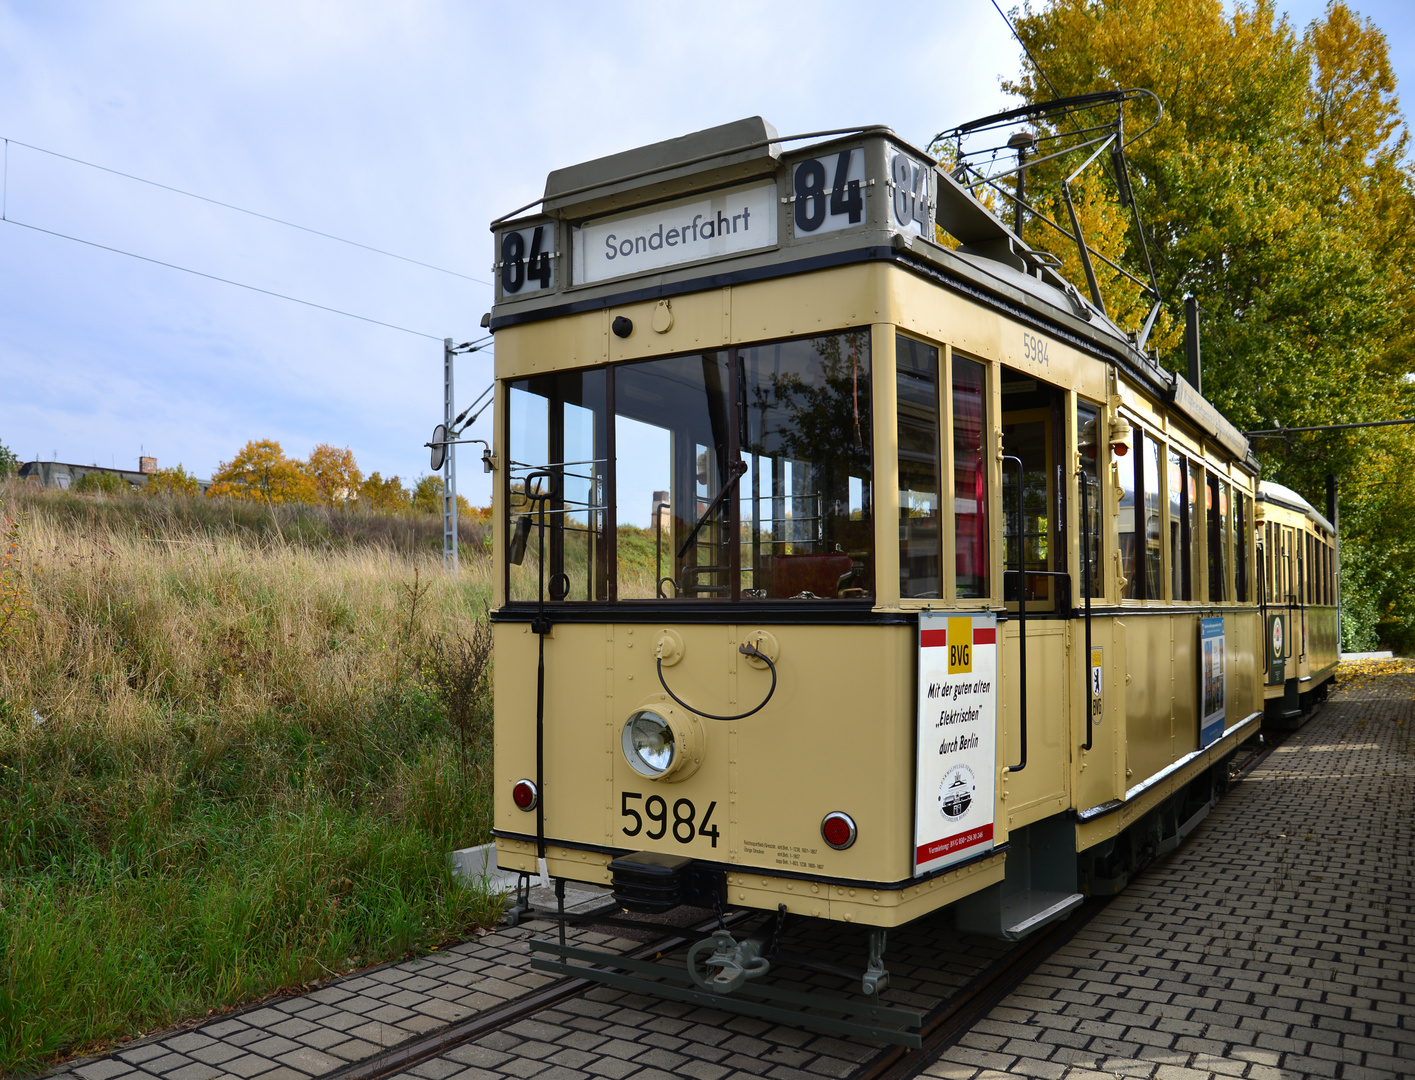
x: 262, y: 472
x: 1276, y: 190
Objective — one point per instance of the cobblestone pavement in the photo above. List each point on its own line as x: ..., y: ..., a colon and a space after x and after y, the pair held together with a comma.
x: 347, y: 1021
x: 1276, y: 943
x: 613, y: 1034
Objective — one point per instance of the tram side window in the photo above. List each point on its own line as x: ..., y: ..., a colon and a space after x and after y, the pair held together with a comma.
x: 1139, y: 475
x: 1240, y: 546
x: 970, y: 478
x: 1311, y: 569
x: 1088, y: 439
x: 557, y: 428
x: 1217, y: 503
x: 1180, y: 535
x: 1196, y: 525
x: 1127, y: 474
x: 1147, y: 454
x: 920, y: 511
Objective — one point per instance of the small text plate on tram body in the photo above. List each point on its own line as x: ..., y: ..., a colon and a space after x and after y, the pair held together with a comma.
x: 711, y: 226
x: 955, y: 773
x: 1097, y: 685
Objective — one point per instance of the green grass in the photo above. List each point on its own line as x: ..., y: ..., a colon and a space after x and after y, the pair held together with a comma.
x: 231, y: 760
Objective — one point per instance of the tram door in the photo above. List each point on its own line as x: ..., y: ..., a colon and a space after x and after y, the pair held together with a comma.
x: 1034, y: 563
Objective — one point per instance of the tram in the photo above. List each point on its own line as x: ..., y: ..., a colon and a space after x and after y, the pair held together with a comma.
x: 851, y: 563
x: 1297, y: 550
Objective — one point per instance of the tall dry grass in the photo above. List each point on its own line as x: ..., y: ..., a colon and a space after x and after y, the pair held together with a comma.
x: 226, y: 759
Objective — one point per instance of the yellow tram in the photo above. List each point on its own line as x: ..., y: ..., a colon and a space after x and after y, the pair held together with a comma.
x: 1297, y: 550
x: 782, y: 433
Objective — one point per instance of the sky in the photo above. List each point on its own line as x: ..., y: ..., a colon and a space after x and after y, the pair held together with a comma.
x: 406, y: 127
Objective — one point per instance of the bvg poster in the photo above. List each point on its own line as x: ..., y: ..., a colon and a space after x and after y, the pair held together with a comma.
x: 1213, y: 686
x: 956, y: 770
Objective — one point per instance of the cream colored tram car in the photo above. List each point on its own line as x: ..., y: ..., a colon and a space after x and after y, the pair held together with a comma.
x: 1297, y: 550
x: 762, y: 410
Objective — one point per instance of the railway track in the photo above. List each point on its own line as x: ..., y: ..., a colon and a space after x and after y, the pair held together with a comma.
x: 944, y: 1022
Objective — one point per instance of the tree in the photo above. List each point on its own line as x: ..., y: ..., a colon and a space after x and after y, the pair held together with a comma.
x: 9, y: 462
x: 101, y: 483
x: 262, y: 472
x: 384, y: 496
x: 171, y: 482
x: 427, y: 496
x: 1276, y: 191
x: 335, y: 474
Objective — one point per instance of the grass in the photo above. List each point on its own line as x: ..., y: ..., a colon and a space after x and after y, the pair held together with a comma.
x: 236, y: 746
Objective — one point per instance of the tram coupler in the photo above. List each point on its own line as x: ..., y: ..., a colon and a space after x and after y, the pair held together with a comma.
x: 876, y: 979
x: 731, y: 964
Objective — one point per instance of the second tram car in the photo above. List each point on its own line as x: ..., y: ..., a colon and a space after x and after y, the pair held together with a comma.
x: 1297, y: 552
x: 850, y: 562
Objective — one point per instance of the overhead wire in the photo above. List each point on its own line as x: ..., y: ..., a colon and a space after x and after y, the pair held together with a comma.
x: 225, y: 281
x: 238, y: 209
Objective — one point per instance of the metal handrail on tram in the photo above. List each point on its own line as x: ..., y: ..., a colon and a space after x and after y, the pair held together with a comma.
x: 1021, y: 614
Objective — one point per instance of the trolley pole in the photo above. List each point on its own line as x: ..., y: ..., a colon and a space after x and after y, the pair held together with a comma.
x: 449, y: 467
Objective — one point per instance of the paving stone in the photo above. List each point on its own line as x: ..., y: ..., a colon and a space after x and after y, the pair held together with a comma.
x: 309, y: 1060
x: 248, y: 1065
x: 216, y: 1053
x: 352, y: 1050
x: 195, y: 1071
x: 138, y: 1054
x: 103, y: 1069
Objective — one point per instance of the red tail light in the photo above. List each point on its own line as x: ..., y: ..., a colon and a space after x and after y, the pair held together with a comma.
x: 525, y: 795
x: 838, y: 830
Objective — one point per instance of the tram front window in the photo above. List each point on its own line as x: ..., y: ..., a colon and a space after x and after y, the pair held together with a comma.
x: 737, y: 474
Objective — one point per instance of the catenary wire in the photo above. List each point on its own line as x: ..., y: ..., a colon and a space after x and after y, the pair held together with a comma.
x: 231, y: 206
x: 224, y: 281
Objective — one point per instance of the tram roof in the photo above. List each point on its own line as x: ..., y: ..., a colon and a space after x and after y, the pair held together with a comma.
x: 1279, y: 495
x: 637, y: 188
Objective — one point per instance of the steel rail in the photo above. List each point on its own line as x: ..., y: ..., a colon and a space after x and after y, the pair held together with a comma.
x: 420, y: 1049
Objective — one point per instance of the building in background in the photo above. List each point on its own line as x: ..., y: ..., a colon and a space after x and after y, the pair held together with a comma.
x: 63, y: 475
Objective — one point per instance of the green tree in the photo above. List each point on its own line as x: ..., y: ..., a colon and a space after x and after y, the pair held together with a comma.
x: 427, y: 496
x: 9, y: 462
x: 101, y: 483
x: 171, y: 482
x: 1277, y: 192
x: 262, y: 472
x: 384, y: 496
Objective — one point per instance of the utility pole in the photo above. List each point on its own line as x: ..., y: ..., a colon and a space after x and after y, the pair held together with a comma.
x: 445, y: 438
x: 449, y: 467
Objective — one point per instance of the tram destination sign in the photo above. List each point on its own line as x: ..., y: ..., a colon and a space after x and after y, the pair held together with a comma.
x: 710, y: 226
x: 955, y: 775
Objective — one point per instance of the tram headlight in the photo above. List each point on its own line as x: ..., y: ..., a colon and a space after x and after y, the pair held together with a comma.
x: 661, y: 742
x: 649, y: 744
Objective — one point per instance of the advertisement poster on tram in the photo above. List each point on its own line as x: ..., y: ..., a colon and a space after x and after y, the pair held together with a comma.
x: 1212, y: 680
x: 956, y: 772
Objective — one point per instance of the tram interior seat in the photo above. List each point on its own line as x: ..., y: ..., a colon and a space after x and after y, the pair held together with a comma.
x: 826, y: 575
